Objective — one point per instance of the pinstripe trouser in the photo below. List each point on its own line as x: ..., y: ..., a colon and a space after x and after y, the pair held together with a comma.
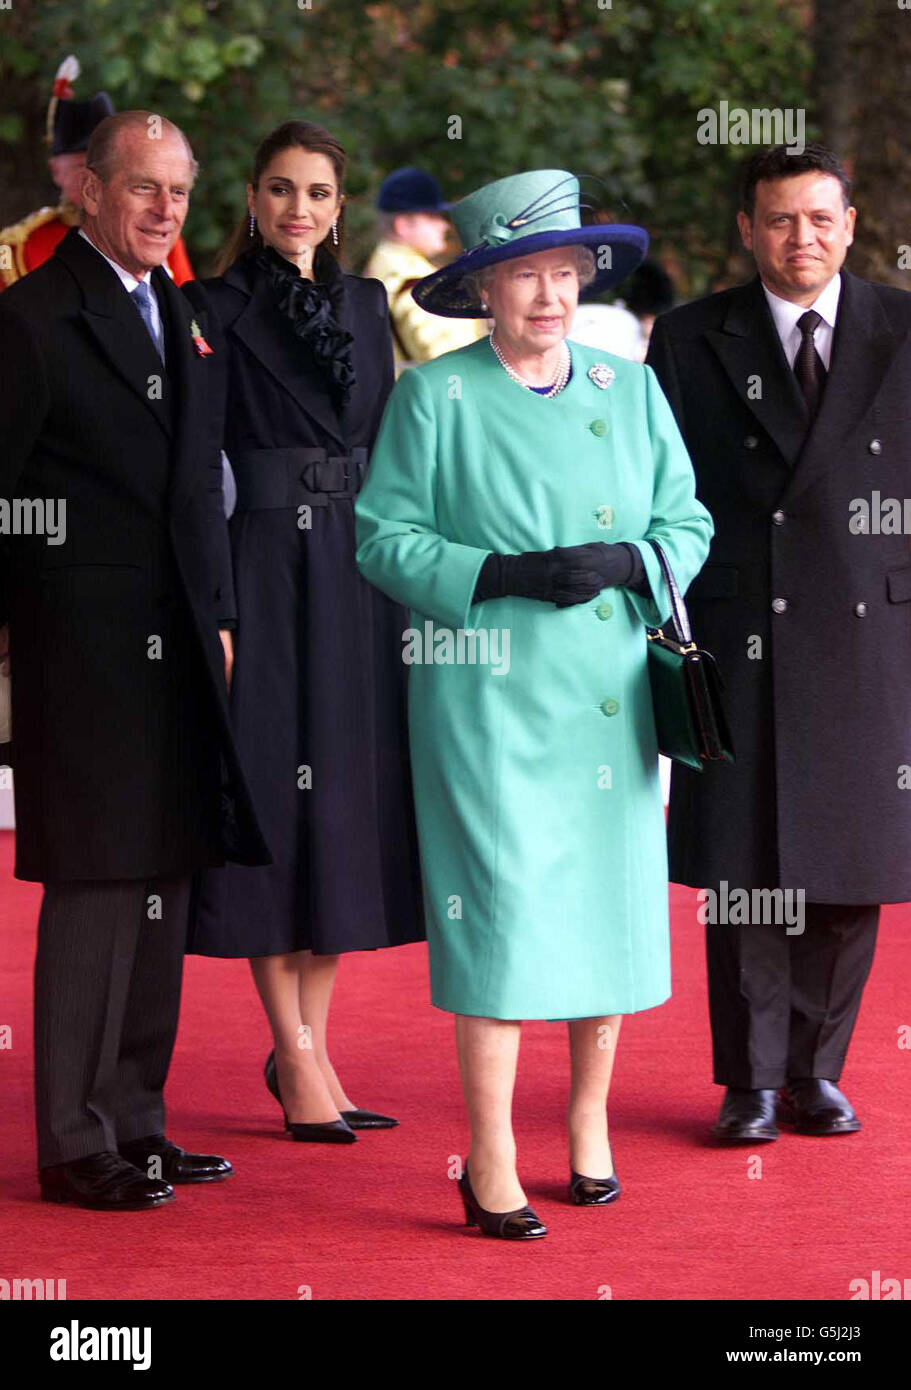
x: 107, y: 996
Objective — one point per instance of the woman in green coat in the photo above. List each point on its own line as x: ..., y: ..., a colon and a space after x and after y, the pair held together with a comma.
x: 513, y: 491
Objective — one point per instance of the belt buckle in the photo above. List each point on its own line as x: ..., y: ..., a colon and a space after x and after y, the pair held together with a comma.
x: 344, y: 461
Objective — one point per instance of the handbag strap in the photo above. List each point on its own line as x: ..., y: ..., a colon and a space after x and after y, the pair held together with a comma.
x: 679, y: 616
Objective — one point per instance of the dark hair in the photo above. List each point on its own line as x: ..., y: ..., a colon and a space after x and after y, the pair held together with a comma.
x: 777, y: 163
x: 649, y: 290
x: 303, y: 135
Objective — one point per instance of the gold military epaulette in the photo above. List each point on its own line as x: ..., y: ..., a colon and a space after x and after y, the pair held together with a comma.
x: 12, y: 265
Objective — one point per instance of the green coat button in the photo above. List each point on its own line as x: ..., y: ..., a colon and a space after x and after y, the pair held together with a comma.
x: 604, y: 611
x: 599, y: 427
x: 609, y: 706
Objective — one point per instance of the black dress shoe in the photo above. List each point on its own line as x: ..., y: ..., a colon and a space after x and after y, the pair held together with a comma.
x: 592, y: 1192
x: 521, y: 1224
x: 354, y: 1119
x: 815, y: 1106
x: 103, y: 1182
x: 176, y: 1164
x: 747, y: 1117
x: 328, y: 1132
x: 368, y: 1119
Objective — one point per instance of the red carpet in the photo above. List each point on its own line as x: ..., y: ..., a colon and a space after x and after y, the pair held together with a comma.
x: 380, y: 1220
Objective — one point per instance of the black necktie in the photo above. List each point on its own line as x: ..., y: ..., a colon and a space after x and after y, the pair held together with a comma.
x: 808, y: 368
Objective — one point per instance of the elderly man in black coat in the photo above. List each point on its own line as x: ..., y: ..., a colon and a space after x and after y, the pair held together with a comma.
x: 126, y: 777
x: 793, y: 393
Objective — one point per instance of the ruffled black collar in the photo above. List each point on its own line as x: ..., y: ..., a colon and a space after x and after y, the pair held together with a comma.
x: 312, y: 307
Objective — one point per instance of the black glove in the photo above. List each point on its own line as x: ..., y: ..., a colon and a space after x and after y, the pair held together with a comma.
x: 563, y: 576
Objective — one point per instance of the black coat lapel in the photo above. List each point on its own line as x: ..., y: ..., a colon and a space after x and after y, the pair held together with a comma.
x: 185, y: 368
x: 863, y: 348
x: 115, y: 324
x: 262, y: 328
x: 750, y: 351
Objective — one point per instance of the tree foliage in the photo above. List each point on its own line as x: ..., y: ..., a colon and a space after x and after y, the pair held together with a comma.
x: 607, y: 89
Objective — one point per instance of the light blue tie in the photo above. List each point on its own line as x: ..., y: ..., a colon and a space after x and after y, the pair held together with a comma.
x: 142, y: 298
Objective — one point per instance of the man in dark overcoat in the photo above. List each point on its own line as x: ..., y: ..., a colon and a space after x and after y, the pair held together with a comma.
x: 118, y: 617
x: 793, y: 394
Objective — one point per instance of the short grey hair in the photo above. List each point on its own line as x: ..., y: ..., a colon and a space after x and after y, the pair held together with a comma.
x: 103, y: 153
x: 477, y: 282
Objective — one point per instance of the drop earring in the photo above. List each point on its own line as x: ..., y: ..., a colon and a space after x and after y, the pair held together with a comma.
x: 335, y: 233
x: 252, y: 223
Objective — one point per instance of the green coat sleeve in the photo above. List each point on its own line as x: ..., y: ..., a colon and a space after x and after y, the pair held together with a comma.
x: 400, y: 547
x: 680, y: 523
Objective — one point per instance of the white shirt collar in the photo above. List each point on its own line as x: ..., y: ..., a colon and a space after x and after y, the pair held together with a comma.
x: 128, y: 281
x: 785, y: 315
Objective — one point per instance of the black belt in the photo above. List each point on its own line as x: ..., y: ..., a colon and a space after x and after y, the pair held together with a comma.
x: 272, y: 478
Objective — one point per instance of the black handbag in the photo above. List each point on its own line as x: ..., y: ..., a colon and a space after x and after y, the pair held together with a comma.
x: 686, y: 688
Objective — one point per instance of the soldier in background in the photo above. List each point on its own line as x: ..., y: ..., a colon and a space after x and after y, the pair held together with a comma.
x: 413, y: 229
x: 29, y: 243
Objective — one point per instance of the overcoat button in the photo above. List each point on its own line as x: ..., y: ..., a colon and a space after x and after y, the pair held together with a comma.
x: 875, y: 446
x: 599, y: 427
x: 778, y: 518
x: 751, y: 442
x: 779, y: 605
x: 609, y: 707
x: 604, y: 611
x: 860, y: 609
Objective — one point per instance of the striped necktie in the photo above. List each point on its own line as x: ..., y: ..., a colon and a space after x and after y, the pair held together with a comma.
x: 142, y: 298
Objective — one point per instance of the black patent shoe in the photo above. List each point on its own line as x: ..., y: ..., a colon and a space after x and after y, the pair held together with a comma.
x: 747, y: 1117
x: 352, y: 1119
x: 329, y: 1132
x: 592, y: 1192
x: 103, y: 1182
x: 368, y: 1119
x: 815, y: 1106
x: 177, y: 1165
x: 270, y: 1073
x: 521, y: 1224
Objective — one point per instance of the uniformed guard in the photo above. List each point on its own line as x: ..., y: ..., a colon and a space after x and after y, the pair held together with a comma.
x: 29, y: 243
x: 413, y: 228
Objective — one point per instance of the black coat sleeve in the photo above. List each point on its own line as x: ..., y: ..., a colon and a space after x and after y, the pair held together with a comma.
x: 24, y: 402
x: 661, y: 357
x: 218, y: 378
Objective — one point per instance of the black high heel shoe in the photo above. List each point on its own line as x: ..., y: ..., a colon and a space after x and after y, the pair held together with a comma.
x: 521, y: 1224
x: 355, y: 1119
x: 592, y: 1192
x: 328, y: 1132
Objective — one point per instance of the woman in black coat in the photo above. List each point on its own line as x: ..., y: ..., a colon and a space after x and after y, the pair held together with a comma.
x: 318, y: 692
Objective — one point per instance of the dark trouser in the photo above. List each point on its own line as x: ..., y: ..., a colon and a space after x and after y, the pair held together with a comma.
x: 107, y: 997
x: 784, y: 1006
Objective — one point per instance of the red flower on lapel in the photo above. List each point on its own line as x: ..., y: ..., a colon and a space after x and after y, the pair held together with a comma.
x: 199, y: 342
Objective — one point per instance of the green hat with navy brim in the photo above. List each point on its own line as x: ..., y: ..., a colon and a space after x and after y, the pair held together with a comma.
x: 517, y: 216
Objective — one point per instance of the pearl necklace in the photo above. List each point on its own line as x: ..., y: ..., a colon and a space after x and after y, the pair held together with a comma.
x: 559, y: 381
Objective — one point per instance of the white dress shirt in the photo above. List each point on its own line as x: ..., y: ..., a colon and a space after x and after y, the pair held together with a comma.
x: 786, y: 314
x: 130, y: 282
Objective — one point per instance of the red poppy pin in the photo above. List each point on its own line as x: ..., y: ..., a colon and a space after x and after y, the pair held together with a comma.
x: 199, y: 342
